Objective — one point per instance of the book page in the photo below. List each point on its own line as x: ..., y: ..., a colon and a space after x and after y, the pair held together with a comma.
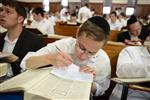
x: 53, y: 87
x: 25, y: 80
x: 131, y: 80
x: 72, y: 73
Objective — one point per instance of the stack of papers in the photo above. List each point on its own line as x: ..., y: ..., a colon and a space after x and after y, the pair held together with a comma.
x: 72, y: 73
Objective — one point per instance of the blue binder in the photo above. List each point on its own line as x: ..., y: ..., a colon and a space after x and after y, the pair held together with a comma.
x: 16, y: 95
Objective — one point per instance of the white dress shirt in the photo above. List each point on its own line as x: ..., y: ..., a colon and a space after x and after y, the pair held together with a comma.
x: 84, y: 14
x: 133, y: 61
x: 44, y: 26
x: 115, y: 26
x: 63, y: 15
x: 100, y: 61
x: 8, y: 48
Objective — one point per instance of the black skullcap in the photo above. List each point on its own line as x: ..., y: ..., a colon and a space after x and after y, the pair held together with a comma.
x: 132, y: 20
x: 100, y: 22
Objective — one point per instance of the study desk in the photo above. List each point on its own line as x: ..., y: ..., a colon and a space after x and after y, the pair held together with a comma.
x: 139, y: 87
x: 133, y: 86
x: 142, y: 86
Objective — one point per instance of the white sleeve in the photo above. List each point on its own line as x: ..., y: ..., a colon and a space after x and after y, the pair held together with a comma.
x: 23, y: 62
x: 50, y: 29
x: 103, y: 71
x: 42, y: 51
x: 63, y: 44
x: 127, y: 66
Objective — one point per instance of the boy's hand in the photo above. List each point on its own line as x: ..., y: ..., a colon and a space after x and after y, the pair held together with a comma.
x: 87, y: 69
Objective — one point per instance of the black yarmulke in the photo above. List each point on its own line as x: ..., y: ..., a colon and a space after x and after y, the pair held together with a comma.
x: 132, y: 20
x: 100, y: 22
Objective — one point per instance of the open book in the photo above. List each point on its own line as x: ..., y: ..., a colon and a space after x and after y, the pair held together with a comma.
x: 41, y: 83
x: 131, y: 80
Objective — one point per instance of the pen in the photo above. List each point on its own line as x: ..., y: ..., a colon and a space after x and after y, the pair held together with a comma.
x: 61, y: 54
x: 57, y: 48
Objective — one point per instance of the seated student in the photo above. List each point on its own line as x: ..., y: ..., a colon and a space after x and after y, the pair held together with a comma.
x: 133, y: 62
x: 41, y: 23
x: 114, y: 22
x: 17, y: 40
x: 84, y: 51
x: 73, y: 20
x: 135, y: 35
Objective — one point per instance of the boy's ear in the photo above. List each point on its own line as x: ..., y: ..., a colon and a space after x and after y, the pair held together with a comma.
x: 77, y: 33
x: 20, y: 19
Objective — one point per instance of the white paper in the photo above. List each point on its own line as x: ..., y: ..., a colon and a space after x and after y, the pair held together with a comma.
x: 72, y: 73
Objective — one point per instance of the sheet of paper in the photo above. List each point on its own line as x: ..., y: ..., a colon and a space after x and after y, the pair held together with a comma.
x: 72, y: 73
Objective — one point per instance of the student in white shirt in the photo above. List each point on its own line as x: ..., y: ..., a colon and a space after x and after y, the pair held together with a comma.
x: 133, y: 62
x: 84, y: 51
x: 64, y: 13
x: 41, y: 23
x: 84, y: 13
x: 114, y: 22
x: 122, y: 19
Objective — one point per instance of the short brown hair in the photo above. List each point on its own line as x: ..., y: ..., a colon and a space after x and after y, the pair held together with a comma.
x: 15, y: 4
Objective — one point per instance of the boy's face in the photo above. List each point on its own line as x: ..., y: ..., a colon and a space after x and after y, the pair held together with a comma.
x: 8, y: 17
x: 86, y: 47
x: 135, y: 29
x: 113, y: 17
x: 36, y: 17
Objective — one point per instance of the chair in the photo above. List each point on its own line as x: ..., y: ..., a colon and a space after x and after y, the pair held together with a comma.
x: 142, y: 84
x: 66, y: 30
x: 36, y: 31
x: 53, y: 38
x: 113, y: 35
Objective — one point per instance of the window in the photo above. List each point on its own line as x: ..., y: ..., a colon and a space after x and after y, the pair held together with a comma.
x: 129, y: 11
x: 106, y: 10
x: 131, y: 6
x: 46, y: 5
x: 107, y: 6
x: 64, y: 3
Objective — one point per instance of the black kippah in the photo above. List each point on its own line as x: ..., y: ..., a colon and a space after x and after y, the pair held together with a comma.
x: 132, y: 20
x: 100, y: 22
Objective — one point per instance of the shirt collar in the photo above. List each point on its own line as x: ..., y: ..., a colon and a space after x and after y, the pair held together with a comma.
x: 9, y: 41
